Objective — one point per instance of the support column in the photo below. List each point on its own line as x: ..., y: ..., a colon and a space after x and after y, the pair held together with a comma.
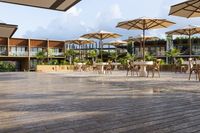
x: 29, y: 54
x: 169, y: 45
x: 8, y: 46
x: 48, y: 51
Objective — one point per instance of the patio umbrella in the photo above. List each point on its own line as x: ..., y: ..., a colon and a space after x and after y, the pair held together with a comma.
x: 187, y: 9
x: 80, y: 41
x: 59, y: 5
x: 189, y: 31
x: 117, y: 43
x: 7, y: 30
x: 101, y: 35
x: 144, y: 24
x: 139, y: 38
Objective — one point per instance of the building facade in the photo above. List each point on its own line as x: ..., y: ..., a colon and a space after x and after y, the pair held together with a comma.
x: 158, y: 48
x: 23, y: 51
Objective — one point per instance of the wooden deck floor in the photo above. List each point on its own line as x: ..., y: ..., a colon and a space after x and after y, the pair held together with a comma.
x: 82, y: 103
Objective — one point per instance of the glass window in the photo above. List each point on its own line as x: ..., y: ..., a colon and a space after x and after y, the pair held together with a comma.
x: 13, y: 49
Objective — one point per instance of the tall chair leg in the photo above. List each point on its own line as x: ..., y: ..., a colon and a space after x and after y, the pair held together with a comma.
x: 190, y: 75
x: 153, y: 72
x: 159, y: 73
x: 127, y: 73
x: 196, y: 75
x: 199, y: 75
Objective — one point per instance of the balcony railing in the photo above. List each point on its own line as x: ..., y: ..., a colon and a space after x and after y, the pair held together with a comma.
x: 60, y: 54
x: 33, y: 53
x: 18, y: 53
x: 3, y: 53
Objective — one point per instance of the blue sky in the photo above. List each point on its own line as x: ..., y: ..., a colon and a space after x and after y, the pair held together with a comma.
x: 88, y: 16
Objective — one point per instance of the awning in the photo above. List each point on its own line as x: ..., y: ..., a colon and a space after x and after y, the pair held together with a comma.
x: 7, y: 30
x: 60, y: 5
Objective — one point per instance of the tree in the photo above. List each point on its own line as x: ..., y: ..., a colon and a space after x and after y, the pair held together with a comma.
x: 130, y: 47
x: 172, y: 54
x: 93, y: 54
x: 114, y: 56
x: 149, y: 57
x: 70, y: 53
x: 41, y: 56
x: 50, y: 53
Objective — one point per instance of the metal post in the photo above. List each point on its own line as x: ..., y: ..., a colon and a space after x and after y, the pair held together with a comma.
x: 143, y: 44
x: 79, y: 51
x: 190, y: 42
x: 101, y: 45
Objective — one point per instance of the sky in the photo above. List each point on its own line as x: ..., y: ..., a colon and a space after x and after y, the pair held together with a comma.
x: 89, y: 16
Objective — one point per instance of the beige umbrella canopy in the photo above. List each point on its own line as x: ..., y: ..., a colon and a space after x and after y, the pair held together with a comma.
x: 7, y: 30
x: 187, y: 9
x: 80, y: 41
x: 59, y: 5
x: 139, y: 38
x: 117, y: 43
x: 101, y: 35
x: 189, y: 31
x: 144, y: 24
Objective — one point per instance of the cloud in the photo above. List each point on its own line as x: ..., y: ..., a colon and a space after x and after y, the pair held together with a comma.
x: 66, y: 26
x: 116, y: 12
x: 71, y: 24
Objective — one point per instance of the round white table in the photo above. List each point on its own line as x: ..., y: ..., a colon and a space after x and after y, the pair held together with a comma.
x: 102, y: 64
x: 143, y: 65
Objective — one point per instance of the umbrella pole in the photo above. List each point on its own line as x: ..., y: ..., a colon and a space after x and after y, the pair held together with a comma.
x: 79, y: 52
x: 101, y: 45
x: 141, y: 44
x: 190, y: 45
x: 132, y: 46
x: 144, y: 45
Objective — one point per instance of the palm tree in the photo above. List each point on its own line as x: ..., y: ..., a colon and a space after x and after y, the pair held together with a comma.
x: 149, y: 57
x: 50, y: 54
x: 172, y: 54
x: 114, y: 56
x: 70, y: 53
x: 41, y: 56
x: 93, y: 54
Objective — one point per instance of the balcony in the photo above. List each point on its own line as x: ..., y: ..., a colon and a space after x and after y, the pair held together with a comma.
x: 33, y: 54
x: 59, y: 54
x: 18, y: 54
x: 3, y: 53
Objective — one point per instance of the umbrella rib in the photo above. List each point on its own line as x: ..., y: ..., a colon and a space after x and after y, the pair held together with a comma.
x: 133, y: 24
x: 193, y: 11
x: 159, y: 23
x: 152, y: 22
x: 187, y: 4
x: 184, y: 8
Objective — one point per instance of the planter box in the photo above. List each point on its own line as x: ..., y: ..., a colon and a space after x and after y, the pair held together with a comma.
x: 54, y: 68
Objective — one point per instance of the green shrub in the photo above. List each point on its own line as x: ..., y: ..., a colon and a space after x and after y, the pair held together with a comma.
x: 7, y: 67
x: 64, y: 62
x: 53, y: 62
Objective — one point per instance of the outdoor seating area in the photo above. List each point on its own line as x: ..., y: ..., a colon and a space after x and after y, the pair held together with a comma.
x: 68, y: 74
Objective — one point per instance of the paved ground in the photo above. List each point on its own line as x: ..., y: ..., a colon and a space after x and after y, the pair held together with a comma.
x: 87, y: 103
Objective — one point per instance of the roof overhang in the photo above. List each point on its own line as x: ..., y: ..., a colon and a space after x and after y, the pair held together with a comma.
x: 7, y: 30
x: 60, y: 5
